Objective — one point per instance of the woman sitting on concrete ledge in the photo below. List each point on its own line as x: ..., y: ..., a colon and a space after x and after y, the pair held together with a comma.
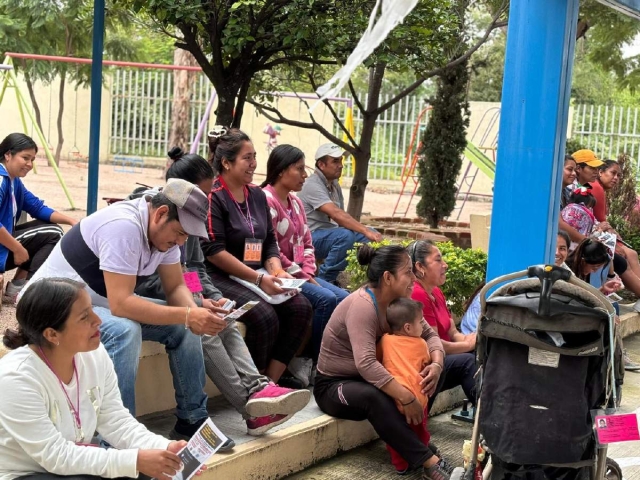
x: 59, y: 387
x: 352, y: 384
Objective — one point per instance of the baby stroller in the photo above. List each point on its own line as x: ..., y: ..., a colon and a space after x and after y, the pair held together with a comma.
x: 545, y: 350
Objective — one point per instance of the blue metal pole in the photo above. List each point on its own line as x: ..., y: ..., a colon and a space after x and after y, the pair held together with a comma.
x: 96, y: 103
x: 533, y: 127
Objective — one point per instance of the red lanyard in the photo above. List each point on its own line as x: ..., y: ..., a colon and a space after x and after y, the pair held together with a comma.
x: 75, y: 410
x: 247, y: 218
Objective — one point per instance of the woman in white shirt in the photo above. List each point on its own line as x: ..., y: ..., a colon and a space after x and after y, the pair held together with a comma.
x: 59, y: 388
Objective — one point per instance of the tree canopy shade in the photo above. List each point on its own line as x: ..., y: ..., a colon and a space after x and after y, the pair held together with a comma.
x: 49, y: 27
x: 235, y: 40
x: 428, y: 42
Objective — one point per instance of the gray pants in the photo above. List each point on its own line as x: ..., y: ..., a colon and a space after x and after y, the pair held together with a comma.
x: 229, y: 365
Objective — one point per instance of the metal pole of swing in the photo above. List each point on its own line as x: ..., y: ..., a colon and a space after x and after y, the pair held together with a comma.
x: 96, y: 102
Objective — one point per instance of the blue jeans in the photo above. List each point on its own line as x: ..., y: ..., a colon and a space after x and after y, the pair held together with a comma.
x: 332, y: 245
x: 323, y: 299
x: 123, y: 340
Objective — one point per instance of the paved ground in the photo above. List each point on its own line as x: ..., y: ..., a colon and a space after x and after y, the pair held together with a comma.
x: 372, y: 461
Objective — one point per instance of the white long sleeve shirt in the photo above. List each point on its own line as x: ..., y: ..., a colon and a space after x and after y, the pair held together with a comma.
x: 37, y: 427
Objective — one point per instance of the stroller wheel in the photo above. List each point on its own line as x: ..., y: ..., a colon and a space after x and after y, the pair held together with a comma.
x: 613, y: 471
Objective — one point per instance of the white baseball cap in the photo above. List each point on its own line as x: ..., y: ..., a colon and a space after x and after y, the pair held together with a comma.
x: 329, y: 149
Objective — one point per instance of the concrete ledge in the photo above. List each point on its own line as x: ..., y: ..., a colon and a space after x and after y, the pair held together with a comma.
x: 154, y: 381
x: 629, y: 323
x: 290, y: 450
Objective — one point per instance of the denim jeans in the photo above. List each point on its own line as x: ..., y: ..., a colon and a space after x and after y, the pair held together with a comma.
x: 324, y: 299
x: 123, y: 340
x: 332, y: 245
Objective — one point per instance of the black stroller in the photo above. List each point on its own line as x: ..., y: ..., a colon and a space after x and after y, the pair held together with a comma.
x: 545, y: 350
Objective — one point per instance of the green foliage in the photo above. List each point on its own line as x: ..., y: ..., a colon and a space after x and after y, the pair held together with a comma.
x: 610, y: 32
x: 444, y: 142
x: 486, y: 66
x: 47, y: 27
x: 573, y: 145
x: 622, y: 202
x: 622, y: 198
x: 357, y: 273
x: 467, y: 269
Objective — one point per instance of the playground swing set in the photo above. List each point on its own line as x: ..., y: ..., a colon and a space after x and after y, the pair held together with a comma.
x: 9, y: 80
x: 477, y: 157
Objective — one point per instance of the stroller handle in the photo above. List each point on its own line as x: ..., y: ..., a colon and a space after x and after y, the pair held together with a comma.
x: 526, y: 273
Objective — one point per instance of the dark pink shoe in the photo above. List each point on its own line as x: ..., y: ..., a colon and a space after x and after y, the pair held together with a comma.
x: 261, y: 425
x: 272, y: 400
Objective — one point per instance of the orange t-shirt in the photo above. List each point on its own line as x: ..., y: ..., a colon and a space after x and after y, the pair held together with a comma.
x: 404, y: 358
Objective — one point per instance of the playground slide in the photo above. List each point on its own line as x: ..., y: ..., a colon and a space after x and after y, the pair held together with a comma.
x: 480, y: 160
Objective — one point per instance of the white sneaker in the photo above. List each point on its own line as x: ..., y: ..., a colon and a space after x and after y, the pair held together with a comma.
x: 12, y: 291
x: 300, y: 368
x: 629, y: 365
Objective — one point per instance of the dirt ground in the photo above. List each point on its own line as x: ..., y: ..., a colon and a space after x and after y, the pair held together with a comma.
x: 119, y: 184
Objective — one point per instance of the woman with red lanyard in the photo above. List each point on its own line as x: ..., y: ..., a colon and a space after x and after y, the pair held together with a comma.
x: 59, y: 388
x: 286, y: 174
x: 459, y: 363
x: 242, y: 240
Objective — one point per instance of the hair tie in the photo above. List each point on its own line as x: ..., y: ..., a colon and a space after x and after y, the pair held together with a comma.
x: 217, y: 131
x: 583, y: 190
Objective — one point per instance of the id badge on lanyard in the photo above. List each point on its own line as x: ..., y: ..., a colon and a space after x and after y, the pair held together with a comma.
x: 252, y: 251
x: 192, y: 281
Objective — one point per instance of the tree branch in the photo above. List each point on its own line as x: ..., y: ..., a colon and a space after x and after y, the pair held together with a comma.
x: 296, y: 58
x: 193, y: 46
x: 274, y: 115
x: 453, y: 63
x: 333, y: 113
x: 355, y: 97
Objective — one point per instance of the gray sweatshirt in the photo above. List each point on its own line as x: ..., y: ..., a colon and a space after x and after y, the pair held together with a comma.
x: 152, y: 287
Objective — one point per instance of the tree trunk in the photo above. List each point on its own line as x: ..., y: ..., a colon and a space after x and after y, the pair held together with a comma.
x: 32, y: 96
x: 226, y: 104
x: 63, y: 77
x: 363, y: 153
x: 180, y: 132
x: 242, y: 99
x: 356, y: 192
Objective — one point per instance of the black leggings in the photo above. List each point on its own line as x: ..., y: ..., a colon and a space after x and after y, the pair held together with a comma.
x: 355, y: 399
x: 38, y: 238
x: 459, y: 369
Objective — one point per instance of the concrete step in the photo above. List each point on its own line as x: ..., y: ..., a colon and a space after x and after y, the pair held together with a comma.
x: 309, y: 437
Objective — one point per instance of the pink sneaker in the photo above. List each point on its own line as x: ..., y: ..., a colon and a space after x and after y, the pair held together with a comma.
x: 260, y: 426
x: 273, y: 399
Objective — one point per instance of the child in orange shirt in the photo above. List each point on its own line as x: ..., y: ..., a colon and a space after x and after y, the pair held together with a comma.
x: 405, y: 354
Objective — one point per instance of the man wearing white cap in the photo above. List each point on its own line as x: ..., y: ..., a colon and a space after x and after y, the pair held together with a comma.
x: 333, y: 230
x: 110, y: 251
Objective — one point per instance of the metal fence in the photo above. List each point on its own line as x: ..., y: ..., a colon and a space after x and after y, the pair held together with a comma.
x: 141, y: 104
x: 607, y: 130
x: 391, y: 138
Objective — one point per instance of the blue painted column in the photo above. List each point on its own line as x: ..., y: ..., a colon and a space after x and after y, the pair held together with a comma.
x: 96, y: 103
x: 531, y: 142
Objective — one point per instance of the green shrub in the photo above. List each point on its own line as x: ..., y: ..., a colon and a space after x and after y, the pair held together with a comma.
x: 467, y: 269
